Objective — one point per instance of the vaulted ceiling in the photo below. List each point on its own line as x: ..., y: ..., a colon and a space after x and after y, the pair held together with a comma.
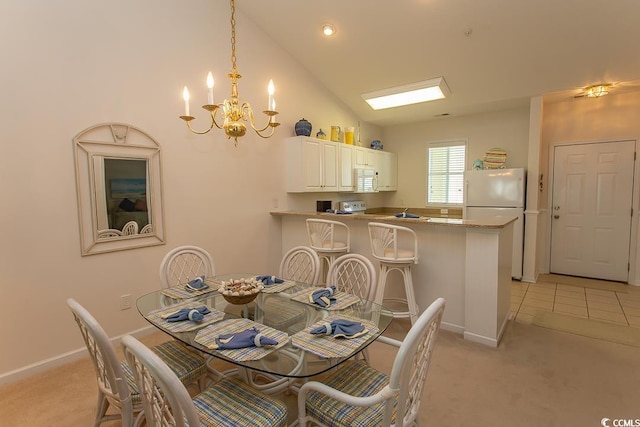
x: 493, y: 54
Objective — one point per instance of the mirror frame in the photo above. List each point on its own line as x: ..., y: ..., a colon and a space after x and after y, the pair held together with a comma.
x: 123, y: 141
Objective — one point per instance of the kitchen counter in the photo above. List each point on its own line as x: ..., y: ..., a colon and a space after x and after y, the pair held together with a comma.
x: 466, y: 262
x: 449, y: 222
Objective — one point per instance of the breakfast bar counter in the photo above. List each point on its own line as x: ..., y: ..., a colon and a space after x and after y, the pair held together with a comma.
x: 466, y: 262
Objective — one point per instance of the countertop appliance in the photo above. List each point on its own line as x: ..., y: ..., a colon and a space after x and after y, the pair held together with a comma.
x: 492, y: 193
x: 353, y: 206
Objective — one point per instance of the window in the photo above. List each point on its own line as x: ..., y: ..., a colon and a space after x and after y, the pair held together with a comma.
x: 445, y: 170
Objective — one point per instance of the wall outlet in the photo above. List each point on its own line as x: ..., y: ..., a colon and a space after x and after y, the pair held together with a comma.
x: 444, y: 211
x: 125, y: 302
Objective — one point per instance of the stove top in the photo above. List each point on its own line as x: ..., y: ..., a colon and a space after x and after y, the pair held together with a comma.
x: 353, y: 206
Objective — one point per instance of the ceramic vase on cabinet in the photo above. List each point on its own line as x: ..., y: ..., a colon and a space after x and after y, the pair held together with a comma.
x: 303, y: 128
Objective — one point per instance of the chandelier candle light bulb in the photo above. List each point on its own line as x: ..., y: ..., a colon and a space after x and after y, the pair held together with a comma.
x: 210, y: 87
x: 271, y: 104
x: 185, y: 96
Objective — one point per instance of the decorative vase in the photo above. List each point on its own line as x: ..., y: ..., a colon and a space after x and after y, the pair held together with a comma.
x: 321, y: 135
x: 303, y: 128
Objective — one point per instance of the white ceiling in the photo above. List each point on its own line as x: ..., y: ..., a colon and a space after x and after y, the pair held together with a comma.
x: 493, y: 54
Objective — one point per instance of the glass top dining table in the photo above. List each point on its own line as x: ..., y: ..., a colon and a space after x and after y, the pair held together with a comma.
x: 282, y: 312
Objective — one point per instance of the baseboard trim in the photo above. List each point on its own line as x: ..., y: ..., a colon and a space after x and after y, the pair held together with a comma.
x: 63, y: 359
x: 491, y: 342
x: 452, y: 327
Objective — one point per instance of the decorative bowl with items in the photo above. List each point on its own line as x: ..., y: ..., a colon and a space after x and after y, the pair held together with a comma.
x: 240, y: 291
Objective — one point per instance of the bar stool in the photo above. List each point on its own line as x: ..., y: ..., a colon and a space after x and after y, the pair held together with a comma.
x: 396, y: 248
x: 329, y: 239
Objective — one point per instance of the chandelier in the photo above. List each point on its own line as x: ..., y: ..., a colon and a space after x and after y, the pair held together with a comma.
x: 233, y: 114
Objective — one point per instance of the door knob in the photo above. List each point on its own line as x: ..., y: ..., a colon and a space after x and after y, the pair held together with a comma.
x: 556, y: 216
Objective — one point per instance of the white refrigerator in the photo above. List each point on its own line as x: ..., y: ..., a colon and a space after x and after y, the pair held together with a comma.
x: 491, y: 193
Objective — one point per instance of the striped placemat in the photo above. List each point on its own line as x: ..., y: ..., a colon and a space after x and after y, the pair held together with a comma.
x: 326, y: 345
x: 278, y: 287
x: 181, y: 292
x: 343, y: 299
x: 155, y: 317
x: 208, y: 335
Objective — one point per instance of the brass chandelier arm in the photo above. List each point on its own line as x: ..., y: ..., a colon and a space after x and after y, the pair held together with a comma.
x: 211, y: 109
x: 248, y: 110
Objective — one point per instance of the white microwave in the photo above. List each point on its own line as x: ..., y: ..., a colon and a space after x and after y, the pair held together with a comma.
x: 366, y: 180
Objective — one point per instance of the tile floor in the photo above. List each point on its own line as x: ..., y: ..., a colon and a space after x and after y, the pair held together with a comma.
x: 587, y: 298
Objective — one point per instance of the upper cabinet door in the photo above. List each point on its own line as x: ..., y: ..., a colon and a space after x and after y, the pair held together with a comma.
x: 312, y: 165
x: 345, y: 175
x: 364, y: 158
x: 387, y: 168
x: 329, y: 166
x: 312, y: 161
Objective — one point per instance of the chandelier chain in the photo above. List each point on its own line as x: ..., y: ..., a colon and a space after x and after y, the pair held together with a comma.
x: 233, y: 36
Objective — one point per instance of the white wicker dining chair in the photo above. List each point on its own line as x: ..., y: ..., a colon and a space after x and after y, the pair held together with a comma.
x: 185, y: 263
x: 302, y: 264
x: 358, y: 395
x: 354, y: 274
x: 166, y: 402
x: 116, y: 384
x: 130, y: 228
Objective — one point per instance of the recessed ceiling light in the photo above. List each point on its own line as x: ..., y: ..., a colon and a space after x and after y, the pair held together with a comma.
x: 328, y: 30
x: 414, y: 93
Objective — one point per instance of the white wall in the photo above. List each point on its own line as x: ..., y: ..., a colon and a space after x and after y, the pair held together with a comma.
x: 506, y: 129
x: 71, y: 64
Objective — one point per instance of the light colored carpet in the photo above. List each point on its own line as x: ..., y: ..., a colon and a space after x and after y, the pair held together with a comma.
x: 588, y: 327
x: 536, y: 377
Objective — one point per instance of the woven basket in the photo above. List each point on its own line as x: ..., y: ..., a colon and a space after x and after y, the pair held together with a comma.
x: 240, y: 299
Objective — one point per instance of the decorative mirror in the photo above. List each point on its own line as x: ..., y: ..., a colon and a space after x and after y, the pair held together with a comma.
x: 119, y: 185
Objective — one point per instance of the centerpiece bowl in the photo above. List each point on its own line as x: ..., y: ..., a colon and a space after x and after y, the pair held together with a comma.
x: 240, y: 291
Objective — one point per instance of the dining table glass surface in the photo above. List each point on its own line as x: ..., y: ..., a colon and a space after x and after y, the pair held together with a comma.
x: 283, y: 313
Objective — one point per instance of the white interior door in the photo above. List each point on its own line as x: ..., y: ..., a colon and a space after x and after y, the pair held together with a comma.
x: 591, y: 209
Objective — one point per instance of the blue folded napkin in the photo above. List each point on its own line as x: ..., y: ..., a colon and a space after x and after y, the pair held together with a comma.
x: 406, y: 215
x: 340, y: 328
x: 339, y: 212
x: 248, y: 338
x: 196, y: 284
x: 269, y: 280
x: 323, y: 297
x: 193, y: 314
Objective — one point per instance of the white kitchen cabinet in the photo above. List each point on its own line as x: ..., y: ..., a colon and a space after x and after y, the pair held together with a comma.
x: 386, y: 165
x: 364, y: 157
x: 317, y: 165
x: 346, y: 156
x: 312, y: 165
